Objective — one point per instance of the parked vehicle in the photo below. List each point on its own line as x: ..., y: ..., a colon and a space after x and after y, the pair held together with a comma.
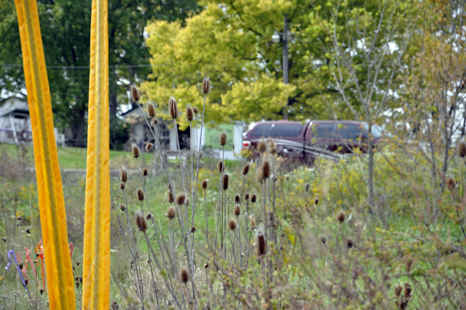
x: 304, y: 141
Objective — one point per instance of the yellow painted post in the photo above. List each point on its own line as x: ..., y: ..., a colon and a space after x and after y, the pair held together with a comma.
x: 60, y: 284
x: 96, y: 256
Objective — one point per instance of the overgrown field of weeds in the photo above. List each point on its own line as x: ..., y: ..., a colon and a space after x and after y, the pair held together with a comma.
x: 200, y: 234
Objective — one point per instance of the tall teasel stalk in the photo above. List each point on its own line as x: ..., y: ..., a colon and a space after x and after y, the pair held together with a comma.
x: 60, y: 284
x: 96, y: 254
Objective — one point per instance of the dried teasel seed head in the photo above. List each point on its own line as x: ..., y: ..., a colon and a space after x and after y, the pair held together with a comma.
x: 122, y: 186
x: 232, y: 224
x: 206, y: 86
x: 154, y: 122
x: 246, y: 196
x: 206, y: 265
x: 266, y: 170
x: 341, y: 216
x: 145, y: 172
x: 271, y: 217
x: 451, y: 184
x: 260, y: 244
x: 184, y: 276
x: 223, y: 139
x: 135, y: 94
x: 221, y: 166
x: 193, y: 230
x: 246, y: 169
x: 180, y: 199
x: 409, y: 263
x: 135, y: 150
x: 171, y: 213
x: 237, y: 199
x: 323, y: 239
x: 19, y: 218
x: 148, y: 216
x: 204, y: 184
x: 287, y: 177
x: 306, y: 187
x: 225, y: 182
x: 173, y: 108
x: 408, y: 290
x: 253, y: 198
x: 398, y: 289
x: 273, y: 147
x: 195, y: 110
x: 349, y: 243
x: 237, y: 210
x: 252, y: 220
x: 149, y: 147
x: 141, y: 222
x: 189, y: 114
x: 462, y: 150
x: 262, y: 146
x: 4, y: 239
x: 123, y: 175
x: 41, y: 291
x: 170, y: 197
x: 140, y: 195
x: 316, y: 201
x: 151, y: 110
x: 187, y: 202
x: 122, y: 207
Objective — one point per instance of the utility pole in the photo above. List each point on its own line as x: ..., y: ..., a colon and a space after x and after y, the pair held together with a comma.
x: 285, y: 63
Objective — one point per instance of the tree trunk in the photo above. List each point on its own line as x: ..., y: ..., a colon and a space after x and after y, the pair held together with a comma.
x: 370, y: 172
x: 77, y: 128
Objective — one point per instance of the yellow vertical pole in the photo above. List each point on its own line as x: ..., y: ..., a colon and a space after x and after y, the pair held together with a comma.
x: 96, y: 256
x: 60, y: 285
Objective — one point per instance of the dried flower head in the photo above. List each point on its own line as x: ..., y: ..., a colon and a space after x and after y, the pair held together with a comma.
x: 462, y: 150
x: 223, y: 139
x: 408, y: 290
x: 204, y: 184
x: 246, y: 169
x: 273, y: 146
x: 173, y: 108
x: 253, y: 198
x: 237, y: 210
x: 170, y: 197
x: 225, y: 183
x: 123, y: 175
x: 149, y: 147
x: 135, y: 150
x: 237, y: 199
x: 171, y: 213
x: 252, y: 220
x: 260, y: 243
x: 341, y: 216
x: 266, y: 170
x: 206, y: 265
x: 189, y: 114
x: 187, y: 202
x: 451, y: 184
x: 122, y: 207
x: 184, y: 276
x: 193, y: 230
x: 306, y: 187
x: 409, y: 264
x: 262, y: 146
x: 141, y: 222
x: 140, y: 195
x: 246, y: 196
x: 221, y: 166
x: 122, y: 186
x: 398, y: 289
x: 148, y: 216
x: 349, y: 243
x: 4, y: 239
x: 206, y: 85
x: 154, y: 122
x: 28, y: 231
x: 316, y: 201
x: 181, y: 199
x: 151, y: 110
x: 232, y: 224
x: 145, y: 172
x: 271, y: 217
x: 323, y: 239
x: 195, y: 110
x: 135, y: 94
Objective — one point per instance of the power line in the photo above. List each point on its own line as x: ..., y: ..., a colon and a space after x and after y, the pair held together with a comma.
x: 88, y: 67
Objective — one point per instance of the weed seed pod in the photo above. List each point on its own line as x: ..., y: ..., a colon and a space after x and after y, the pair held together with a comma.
x: 149, y: 147
x: 193, y: 230
x: 253, y: 198
x: 135, y: 151
x: 154, y: 122
x: 306, y: 187
x: 122, y: 207
x: 206, y: 265
x: 151, y: 110
x: 398, y: 290
x: 145, y: 172
x: 349, y: 243
x: 246, y: 169
x: 170, y: 197
x: 195, y: 110
x: 225, y: 182
x: 28, y: 231
x: 252, y: 220
x: 451, y: 184
x: 141, y: 222
x: 171, y: 213
x: 122, y: 186
x: 189, y: 114
x: 271, y: 217
x: 273, y: 146
x: 261, y: 247
x: 204, y: 184
x: 246, y: 196
x: 123, y: 175
x: 407, y: 290
x: 266, y: 169
x: 341, y: 216
x: 148, y: 216
x: 173, y: 108
x: 206, y: 86
x: 323, y: 239
x: 232, y: 224
x: 181, y: 199
x: 316, y: 201
x: 221, y: 166
x: 462, y: 150
x: 135, y: 94
x: 237, y: 210
x: 140, y: 194
x: 237, y: 199
x: 184, y: 276
x: 223, y: 139
x: 262, y: 146
x: 4, y: 239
